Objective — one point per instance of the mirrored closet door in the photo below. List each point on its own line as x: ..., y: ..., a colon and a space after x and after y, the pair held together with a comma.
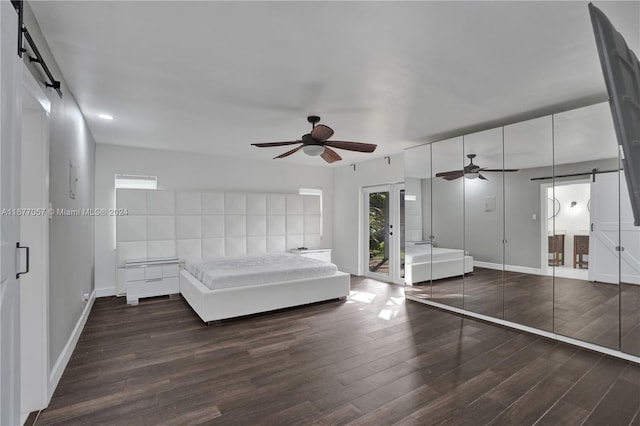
x: 447, y: 210
x: 529, y: 265
x: 484, y: 221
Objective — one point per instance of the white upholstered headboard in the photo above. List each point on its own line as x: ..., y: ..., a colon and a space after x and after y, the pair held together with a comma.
x: 205, y: 224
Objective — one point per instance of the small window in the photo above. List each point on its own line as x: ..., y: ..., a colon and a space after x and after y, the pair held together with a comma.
x: 136, y: 182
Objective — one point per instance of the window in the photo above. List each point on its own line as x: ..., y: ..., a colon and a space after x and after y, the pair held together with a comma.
x: 317, y: 192
x: 136, y: 182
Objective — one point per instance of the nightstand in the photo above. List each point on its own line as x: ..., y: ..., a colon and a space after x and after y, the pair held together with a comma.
x: 151, y: 277
x: 323, y: 254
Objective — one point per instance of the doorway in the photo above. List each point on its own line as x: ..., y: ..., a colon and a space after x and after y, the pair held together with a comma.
x: 383, y: 236
x: 565, y: 233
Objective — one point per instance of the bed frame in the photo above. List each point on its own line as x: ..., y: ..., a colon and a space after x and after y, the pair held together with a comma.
x: 215, y: 305
x: 425, y: 271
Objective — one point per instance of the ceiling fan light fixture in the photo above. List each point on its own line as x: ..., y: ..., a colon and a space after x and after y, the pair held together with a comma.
x: 471, y: 175
x: 313, y: 150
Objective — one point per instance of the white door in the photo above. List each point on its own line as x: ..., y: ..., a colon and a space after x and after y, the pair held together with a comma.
x: 10, y: 110
x: 383, y: 230
x: 604, y: 237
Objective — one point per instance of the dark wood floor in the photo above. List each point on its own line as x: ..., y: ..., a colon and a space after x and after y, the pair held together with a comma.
x: 580, y: 309
x: 374, y: 359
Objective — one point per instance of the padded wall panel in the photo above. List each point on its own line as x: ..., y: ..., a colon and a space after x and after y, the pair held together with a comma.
x: 131, y: 228
x: 276, y: 225
x: 161, y: 228
x: 212, y: 226
x: 235, y: 203
x: 212, y: 247
x: 256, y: 245
x: 257, y: 204
x: 294, y: 204
x: 235, y: 226
x: 311, y: 224
x: 188, y: 203
x: 295, y: 224
x: 276, y: 244
x: 257, y: 225
x: 213, y: 203
x: 188, y: 227
x: 311, y: 204
x: 130, y: 250
x: 276, y: 204
x: 161, y: 203
x: 133, y: 200
x: 312, y: 240
x: 164, y: 248
x: 235, y: 246
x: 189, y: 249
x: 294, y: 241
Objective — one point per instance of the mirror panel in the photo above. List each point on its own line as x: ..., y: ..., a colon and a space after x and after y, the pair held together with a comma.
x: 586, y: 290
x: 483, y: 222
x: 447, y: 267
x: 528, y: 275
x: 417, y: 206
x: 629, y: 275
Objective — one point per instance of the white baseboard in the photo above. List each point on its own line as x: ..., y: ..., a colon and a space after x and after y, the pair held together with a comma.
x: 106, y: 292
x: 510, y: 268
x: 548, y: 334
x: 63, y: 359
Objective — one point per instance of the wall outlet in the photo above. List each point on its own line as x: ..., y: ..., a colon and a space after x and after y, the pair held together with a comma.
x: 534, y: 217
x: 85, y: 297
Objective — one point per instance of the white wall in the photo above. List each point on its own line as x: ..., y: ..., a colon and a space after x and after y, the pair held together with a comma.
x: 70, y: 237
x: 186, y: 171
x: 347, y: 200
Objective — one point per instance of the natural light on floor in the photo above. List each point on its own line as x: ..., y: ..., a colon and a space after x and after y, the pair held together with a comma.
x: 361, y: 296
x: 391, y: 309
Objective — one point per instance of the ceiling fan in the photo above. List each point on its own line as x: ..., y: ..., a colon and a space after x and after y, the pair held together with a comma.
x: 470, y: 171
x: 316, y: 143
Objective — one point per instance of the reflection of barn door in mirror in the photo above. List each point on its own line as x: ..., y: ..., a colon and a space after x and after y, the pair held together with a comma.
x: 604, y: 238
x: 629, y: 239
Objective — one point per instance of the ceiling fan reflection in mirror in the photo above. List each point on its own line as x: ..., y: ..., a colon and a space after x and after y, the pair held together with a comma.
x: 316, y: 143
x: 470, y: 171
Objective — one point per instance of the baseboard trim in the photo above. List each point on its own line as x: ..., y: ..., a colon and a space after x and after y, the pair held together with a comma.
x: 536, y: 331
x: 510, y: 268
x: 106, y: 292
x: 63, y: 359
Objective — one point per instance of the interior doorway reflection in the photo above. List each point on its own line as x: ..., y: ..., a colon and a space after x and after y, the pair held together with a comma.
x: 566, y: 230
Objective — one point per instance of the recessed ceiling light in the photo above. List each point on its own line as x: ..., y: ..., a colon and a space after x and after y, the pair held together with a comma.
x: 105, y: 116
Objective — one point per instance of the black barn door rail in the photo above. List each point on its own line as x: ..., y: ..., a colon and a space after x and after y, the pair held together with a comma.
x: 22, y: 31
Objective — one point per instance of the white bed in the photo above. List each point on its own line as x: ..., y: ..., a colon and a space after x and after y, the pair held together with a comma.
x: 423, y: 262
x: 228, y: 287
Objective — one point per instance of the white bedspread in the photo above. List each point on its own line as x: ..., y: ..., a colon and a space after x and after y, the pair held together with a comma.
x: 417, y: 253
x: 236, y: 271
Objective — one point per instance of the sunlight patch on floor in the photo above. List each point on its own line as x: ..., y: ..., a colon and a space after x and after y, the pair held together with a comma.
x: 391, y: 308
x: 362, y: 296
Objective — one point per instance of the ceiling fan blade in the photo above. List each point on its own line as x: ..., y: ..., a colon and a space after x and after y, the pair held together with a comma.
x: 330, y: 156
x: 500, y: 170
x: 452, y: 172
x: 453, y: 177
x: 321, y: 132
x: 482, y: 177
x: 268, y: 144
x: 286, y: 154
x: 352, y: 146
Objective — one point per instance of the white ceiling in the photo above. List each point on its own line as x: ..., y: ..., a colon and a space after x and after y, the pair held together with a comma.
x: 214, y: 77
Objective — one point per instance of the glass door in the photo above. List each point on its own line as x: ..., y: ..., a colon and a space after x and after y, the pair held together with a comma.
x: 383, y: 229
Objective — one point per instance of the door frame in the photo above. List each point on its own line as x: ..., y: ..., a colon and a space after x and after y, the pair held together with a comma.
x: 394, y: 190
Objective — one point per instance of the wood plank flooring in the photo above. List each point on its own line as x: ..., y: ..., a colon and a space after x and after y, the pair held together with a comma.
x: 584, y: 310
x: 375, y: 359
